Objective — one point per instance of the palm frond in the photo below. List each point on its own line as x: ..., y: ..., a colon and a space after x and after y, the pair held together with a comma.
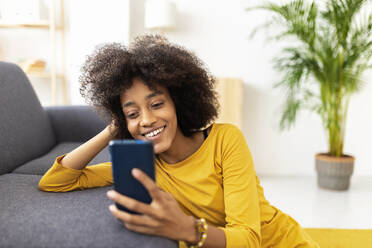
x: 298, y: 18
x: 291, y: 108
x: 340, y: 15
x: 359, y: 43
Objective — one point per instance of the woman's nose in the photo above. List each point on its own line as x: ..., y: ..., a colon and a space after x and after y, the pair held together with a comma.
x: 147, y: 118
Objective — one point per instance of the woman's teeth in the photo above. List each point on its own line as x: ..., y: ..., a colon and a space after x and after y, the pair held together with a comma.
x: 153, y: 133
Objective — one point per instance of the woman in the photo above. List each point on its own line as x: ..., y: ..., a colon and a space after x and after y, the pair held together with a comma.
x: 206, y: 192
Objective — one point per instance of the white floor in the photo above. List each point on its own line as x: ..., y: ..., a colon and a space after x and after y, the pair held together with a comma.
x: 301, y: 198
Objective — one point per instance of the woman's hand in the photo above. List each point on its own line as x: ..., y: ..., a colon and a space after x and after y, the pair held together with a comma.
x: 112, y: 129
x: 163, y: 217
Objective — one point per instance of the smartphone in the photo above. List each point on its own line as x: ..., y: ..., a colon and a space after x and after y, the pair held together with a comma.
x: 126, y: 155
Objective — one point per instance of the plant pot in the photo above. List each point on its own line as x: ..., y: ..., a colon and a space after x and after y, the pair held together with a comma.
x: 334, y: 172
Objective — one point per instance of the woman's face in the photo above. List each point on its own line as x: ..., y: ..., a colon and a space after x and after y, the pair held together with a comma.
x: 150, y: 115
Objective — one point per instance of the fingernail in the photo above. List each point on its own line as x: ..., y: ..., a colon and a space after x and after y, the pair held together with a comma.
x: 110, y: 194
x: 111, y: 207
x: 135, y: 172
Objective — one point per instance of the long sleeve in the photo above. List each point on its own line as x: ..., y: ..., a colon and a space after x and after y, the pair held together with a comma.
x: 241, y: 199
x: 61, y: 179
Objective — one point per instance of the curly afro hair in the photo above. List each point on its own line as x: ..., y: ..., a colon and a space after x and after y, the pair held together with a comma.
x: 152, y: 58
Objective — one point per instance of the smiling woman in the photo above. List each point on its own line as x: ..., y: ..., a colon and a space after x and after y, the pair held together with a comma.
x: 206, y: 192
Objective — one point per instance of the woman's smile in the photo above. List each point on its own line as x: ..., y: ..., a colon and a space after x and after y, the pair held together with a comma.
x: 154, y: 134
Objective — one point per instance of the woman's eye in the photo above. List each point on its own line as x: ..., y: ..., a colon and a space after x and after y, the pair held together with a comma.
x: 132, y: 115
x: 156, y: 105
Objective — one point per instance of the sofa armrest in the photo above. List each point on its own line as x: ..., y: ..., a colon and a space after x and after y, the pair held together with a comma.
x: 74, y: 123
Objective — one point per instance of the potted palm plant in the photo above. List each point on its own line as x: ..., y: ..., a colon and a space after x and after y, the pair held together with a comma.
x: 322, y: 69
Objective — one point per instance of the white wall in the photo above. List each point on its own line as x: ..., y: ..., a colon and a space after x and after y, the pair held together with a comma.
x: 218, y: 32
x: 91, y: 23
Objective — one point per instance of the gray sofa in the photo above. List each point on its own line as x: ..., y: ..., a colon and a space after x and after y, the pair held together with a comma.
x: 31, y: 137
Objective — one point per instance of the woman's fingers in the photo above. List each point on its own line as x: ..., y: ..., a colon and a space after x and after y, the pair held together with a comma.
x: 148, y: 183
x: 133, y: 219
x: 158, y: 196
x: 130, y: 203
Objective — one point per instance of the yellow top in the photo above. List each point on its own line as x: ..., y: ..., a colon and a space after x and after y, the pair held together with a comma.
x: 218, y: 182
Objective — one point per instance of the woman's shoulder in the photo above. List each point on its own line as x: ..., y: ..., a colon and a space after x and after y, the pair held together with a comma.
x: 223, y: 128
x: 226, y: 133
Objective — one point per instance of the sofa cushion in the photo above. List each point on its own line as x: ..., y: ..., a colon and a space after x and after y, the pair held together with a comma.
x: 41, y: 164
x: 32, y: 218
x: 25, y: 130
x: 75, y: 123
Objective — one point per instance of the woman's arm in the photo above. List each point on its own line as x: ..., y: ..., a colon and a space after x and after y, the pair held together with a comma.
x: 242, y: 208
x: 69, y: 172
x: 82, y: 155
